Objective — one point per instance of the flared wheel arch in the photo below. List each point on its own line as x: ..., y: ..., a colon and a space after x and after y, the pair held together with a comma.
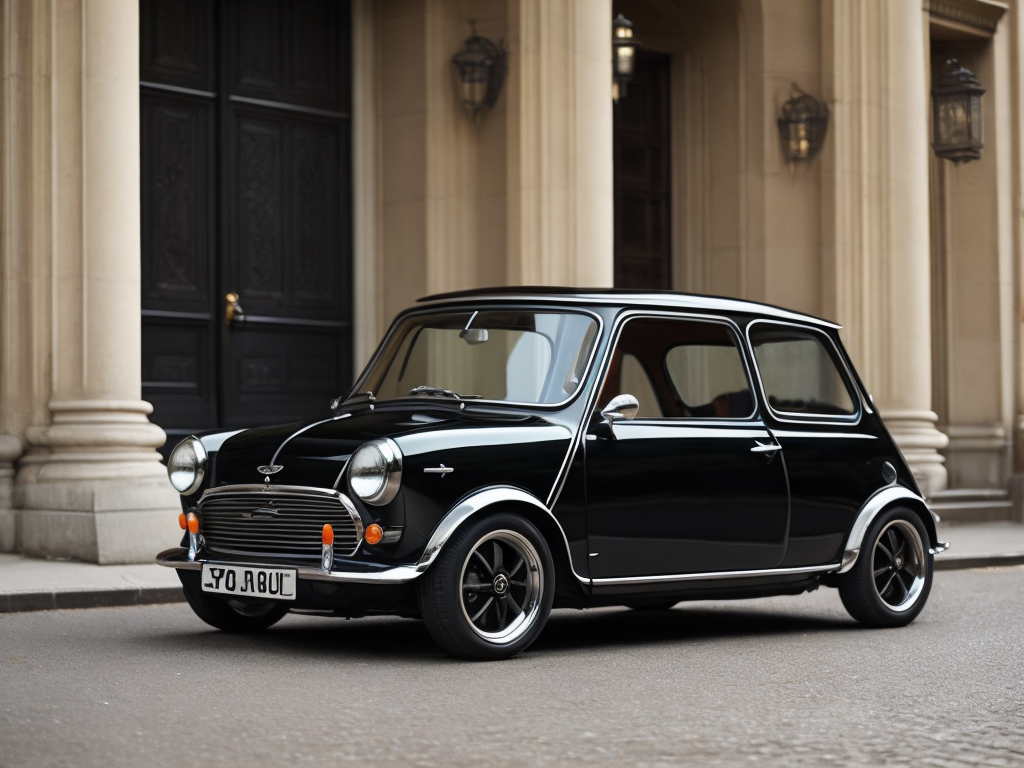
x: 883, y: 500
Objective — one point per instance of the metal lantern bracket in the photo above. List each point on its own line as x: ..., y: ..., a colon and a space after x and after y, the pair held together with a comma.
x: 802, y: 126
x: 482, y: 66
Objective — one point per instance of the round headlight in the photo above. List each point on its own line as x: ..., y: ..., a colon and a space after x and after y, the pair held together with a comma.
x: 375, y: 471
x: 186, y: 466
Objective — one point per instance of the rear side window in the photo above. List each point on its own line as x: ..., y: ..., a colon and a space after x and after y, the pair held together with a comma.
x: 799, y: 373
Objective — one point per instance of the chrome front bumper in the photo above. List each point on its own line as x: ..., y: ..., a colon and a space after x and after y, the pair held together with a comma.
x: 177, y: 557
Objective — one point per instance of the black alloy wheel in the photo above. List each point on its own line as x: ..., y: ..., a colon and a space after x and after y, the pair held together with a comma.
x: 489, y: 593
x: 237, y: 616
x: 889, y: 584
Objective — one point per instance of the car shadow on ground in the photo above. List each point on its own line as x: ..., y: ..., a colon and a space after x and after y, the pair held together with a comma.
x: 567, y: 630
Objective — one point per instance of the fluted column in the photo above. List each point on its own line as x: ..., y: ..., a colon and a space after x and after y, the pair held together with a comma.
x: 91, y: 485
x: 560, y: 224
x: 875, y: 214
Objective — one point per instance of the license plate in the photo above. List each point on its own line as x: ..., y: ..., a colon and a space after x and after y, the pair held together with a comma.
x: 267, y: 583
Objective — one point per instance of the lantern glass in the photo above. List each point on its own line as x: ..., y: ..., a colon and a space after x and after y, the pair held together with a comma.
x: 625, y: 60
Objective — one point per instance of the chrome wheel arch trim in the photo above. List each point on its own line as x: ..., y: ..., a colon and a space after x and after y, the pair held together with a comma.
x: 477, y: 502
x: 873, y: 507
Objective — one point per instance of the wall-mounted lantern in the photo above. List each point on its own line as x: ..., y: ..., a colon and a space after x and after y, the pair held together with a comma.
x: 802, y: 126
x: 956, y: 115
x: 482, y: 66
x: 623, y: 55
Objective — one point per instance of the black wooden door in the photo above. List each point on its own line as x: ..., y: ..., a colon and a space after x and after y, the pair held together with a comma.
x: 245, y: 190
x: 643, y: 181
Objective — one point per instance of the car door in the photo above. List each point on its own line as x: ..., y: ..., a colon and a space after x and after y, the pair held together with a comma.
x: 695, y: 482
x: 834, y: 448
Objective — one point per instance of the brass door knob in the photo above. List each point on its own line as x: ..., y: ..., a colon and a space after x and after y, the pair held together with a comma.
x: 233, y: 312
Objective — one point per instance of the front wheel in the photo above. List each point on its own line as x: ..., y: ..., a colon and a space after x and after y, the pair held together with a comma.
x: 890, y: 582
x: 238, y: 616
x: 489, y: 593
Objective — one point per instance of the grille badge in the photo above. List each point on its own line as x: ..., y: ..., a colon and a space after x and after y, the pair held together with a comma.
x: 271, y: 469
x: 261, y: 512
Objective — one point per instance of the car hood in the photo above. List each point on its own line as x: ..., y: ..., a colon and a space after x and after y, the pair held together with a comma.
x: 315, y: 453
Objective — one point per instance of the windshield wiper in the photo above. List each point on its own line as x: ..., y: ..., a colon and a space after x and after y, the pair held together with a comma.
x: 425, y: 390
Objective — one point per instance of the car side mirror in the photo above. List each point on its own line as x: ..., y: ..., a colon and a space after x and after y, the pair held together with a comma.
x: 621, y: 407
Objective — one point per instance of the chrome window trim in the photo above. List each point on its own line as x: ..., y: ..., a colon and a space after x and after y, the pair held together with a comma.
x: 869, y: 510
x: 842, y: 368
x: 714, y: 575
x: 692, y: 302
x: 527, y: 306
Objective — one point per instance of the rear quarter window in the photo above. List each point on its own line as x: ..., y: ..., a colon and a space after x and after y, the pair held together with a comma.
x: 800, y: 374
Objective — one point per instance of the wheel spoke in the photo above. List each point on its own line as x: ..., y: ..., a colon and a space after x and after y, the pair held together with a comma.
x: 894, y: 543
x: 502, y: 612
x: 479, y: 587
x: 515, y: 607
x: 483, y: 608
x: 888, y: 584
x: 884, y: 550
x: 903, y: 587
x: 483, y: 561
x: 902, y: 546
x: 499, y: 560
x: 518, y: 583
x: 880, y: 571
x: 518, y: 564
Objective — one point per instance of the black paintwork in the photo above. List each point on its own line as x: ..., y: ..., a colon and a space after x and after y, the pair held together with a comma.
x: 643, y: 498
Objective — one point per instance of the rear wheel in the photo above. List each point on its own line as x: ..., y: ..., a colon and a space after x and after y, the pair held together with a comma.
x: 489, y: 593
x: 238, y: 616
x: 889, y: 584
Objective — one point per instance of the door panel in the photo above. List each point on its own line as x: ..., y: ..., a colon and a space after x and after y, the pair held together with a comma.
x: 668, y: 498
x: 246, y: 176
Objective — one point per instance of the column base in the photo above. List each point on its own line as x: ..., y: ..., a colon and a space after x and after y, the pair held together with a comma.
x: 10, y: 450
x: 99, y: 521
x: 916, y: 435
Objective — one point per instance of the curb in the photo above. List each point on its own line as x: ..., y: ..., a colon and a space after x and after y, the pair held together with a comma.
x: 20, y: 602
x: 963, y: 562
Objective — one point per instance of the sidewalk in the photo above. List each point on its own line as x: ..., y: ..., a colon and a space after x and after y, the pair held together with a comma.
x: 41, y: 585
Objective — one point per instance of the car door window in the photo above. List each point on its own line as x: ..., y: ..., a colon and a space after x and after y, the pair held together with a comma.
x: 680, y: 369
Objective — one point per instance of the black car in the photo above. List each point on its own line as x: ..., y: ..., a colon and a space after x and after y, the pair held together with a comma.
x: 508, y: 451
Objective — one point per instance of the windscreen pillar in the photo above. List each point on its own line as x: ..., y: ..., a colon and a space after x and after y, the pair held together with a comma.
x: 876, y: 275
x: 91, y: 486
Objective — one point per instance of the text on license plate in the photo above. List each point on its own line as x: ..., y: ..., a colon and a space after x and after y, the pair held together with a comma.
x: 270, y: 583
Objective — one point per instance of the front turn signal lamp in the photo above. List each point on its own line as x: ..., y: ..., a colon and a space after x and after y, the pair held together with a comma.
x: 374, y: 534
x: 182, y: 521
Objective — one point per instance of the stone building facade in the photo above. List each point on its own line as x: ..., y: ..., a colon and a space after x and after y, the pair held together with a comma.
x: 920, y: 260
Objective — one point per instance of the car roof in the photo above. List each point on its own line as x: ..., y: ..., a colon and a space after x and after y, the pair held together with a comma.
x: 628, y: 297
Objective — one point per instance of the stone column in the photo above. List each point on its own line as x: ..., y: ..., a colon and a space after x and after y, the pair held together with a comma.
x: 560, y: 214
x: 91, y: 486
x: 875, y: 213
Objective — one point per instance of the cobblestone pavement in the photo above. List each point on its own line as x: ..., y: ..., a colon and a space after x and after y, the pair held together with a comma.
x: 784, y: 681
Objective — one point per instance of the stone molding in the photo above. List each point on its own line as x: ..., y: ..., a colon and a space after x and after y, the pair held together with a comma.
x: 983, y: 15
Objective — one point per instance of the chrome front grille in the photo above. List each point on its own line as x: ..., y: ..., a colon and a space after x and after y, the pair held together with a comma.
x: 281, y: 523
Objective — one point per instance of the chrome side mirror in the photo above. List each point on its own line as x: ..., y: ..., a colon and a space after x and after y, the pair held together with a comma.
x: 621, y: 407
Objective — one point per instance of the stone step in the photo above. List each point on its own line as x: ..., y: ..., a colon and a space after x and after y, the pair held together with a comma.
x: 972, y: 505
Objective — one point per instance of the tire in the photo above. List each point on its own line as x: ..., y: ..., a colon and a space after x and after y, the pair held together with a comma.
x: 889, y: 584
x: 236, y: 616
x: 489, y: 593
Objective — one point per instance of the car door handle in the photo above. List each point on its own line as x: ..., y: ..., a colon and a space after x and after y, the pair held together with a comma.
x: 766, y: 448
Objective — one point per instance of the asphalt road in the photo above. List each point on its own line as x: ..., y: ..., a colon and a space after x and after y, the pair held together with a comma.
x: 782, y: 681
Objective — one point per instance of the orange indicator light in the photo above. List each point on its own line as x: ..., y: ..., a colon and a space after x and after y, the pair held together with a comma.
x: 328, y: 537
x: 181, y: 521
x: 374, y: 533
x: 193, y: 523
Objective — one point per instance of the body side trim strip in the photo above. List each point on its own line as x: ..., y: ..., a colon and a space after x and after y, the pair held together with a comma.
x: 714, y: 575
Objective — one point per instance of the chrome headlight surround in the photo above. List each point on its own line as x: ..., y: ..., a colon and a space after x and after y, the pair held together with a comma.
x: 375, y: 471
x: 186, y: 466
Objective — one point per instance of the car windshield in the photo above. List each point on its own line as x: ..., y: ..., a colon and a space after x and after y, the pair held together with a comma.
x: 516, y: 356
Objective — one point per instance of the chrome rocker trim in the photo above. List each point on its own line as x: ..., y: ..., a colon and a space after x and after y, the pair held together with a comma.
x: 714, y: 575
x: 872, y: 507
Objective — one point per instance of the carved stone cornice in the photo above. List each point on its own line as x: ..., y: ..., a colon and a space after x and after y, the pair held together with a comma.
x: 983, y: 15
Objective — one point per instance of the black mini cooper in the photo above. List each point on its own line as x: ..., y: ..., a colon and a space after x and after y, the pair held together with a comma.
x: 508, y: 451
